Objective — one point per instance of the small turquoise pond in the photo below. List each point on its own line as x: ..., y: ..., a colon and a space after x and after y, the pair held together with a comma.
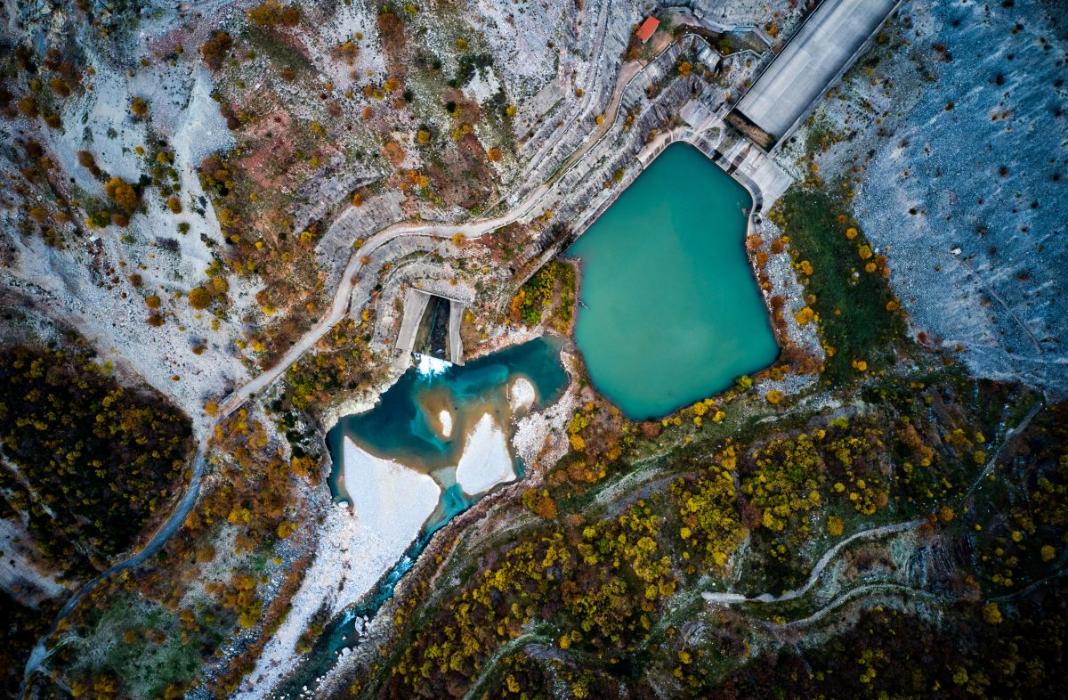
x: 670, y: 309
x: 400, y: 426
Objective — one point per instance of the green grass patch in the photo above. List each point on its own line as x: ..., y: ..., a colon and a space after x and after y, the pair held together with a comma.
x: 144, y: 648
x: 851, y: 301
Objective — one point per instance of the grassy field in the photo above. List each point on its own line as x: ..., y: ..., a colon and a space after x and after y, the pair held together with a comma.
x: 850, y: 298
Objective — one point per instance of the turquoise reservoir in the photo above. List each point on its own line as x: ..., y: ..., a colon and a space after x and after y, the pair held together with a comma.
x: 670, y: 309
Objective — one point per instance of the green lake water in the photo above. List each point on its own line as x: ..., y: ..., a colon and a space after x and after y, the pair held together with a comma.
x: 671, y: 312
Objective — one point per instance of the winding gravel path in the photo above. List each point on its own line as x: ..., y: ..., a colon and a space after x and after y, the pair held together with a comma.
x: 828, y: 556
x: 343, y: 296
x: 730, y: 598
x: 170, y: 526
x: 539, y: 198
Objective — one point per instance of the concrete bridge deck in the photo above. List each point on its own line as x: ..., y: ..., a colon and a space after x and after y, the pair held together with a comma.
x: 820, y: 52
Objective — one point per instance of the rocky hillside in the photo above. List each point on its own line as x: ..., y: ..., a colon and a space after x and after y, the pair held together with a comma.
x: 950, y: 136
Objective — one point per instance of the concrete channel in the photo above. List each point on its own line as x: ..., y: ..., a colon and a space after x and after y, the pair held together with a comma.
x: 416, y: 303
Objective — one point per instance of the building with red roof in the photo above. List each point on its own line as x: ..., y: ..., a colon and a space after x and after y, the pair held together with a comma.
x: 648, y: 28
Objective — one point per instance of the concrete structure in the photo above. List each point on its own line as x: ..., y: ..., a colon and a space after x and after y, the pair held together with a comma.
x: 710, y: 58
x: 416, y: 302
x: 697, y: 115
x: 575, y: 194
x: 754, y: 169
x: 818, y: 54
x: 456, y: 317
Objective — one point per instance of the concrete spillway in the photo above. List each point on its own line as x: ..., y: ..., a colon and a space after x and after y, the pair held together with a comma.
x: 431, y: 325
x: 820, y: 52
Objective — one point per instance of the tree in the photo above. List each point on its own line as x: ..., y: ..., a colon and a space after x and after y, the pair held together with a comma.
x: 59, y: 86
x: 272, y: 13
x: 804, y: 316
x: 27, y: 106
x: 199, y: 298
x: 992, y: 614
x: 214, y: 50
x: 87, y: 161
x: 138, y: 107
x: 123, y: 194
